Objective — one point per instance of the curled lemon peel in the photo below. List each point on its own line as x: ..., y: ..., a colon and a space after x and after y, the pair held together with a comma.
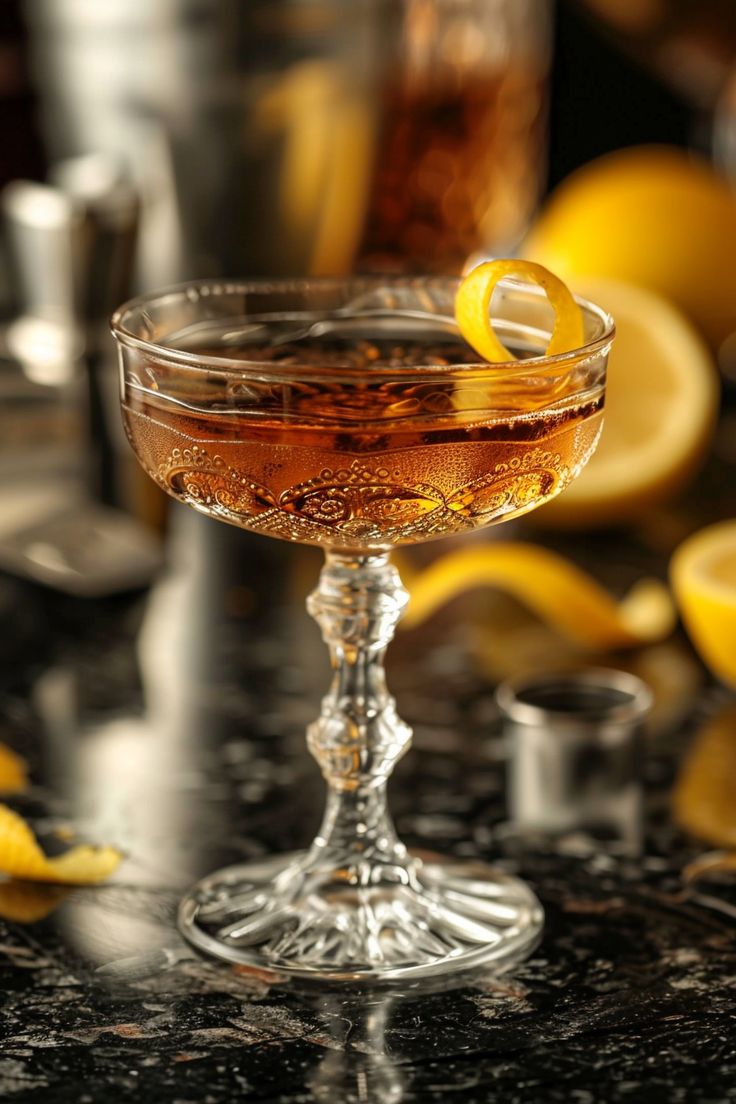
x: 22, y: 857
x: 560, y: 593
x: 473, y: 308
x: 13, y: 771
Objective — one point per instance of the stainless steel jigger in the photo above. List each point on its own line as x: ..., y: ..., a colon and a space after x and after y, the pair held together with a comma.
x: 574, y: 752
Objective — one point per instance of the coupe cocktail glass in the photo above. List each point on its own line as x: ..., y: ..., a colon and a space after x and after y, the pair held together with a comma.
x: 349, y: 414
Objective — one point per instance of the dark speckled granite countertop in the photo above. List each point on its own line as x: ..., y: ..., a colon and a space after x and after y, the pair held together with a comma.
x: 172, y: 724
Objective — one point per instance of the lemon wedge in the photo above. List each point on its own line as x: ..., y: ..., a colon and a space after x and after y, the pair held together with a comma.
x: 555, y: 589
x: 473, y: 308
x: 662, y: 398
x: 21, y: 856
x: 703, y: 574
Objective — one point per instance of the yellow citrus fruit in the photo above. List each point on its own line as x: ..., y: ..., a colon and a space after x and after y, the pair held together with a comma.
x: 473, y: 308
x: 13, y: 771
x: 21, y: 856
x: 650, y: 215
x: 662, y: 397
x: 26, y: 902
x: 703, y: 575
x: 704, y: 798
x: 555, y: 589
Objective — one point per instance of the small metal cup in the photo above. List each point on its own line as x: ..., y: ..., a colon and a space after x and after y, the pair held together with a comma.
x: 574, y: 752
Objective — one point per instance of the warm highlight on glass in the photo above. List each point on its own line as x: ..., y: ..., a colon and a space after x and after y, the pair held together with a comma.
x: 349, y: 414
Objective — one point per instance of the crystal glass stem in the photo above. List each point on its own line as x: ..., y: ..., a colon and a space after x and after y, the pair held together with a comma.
x: 359, y: 735
x: 356, y: 905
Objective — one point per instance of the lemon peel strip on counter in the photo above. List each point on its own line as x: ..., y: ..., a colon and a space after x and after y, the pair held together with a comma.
x: 473, y: 305
x: 13, y: 771
x: 22, y: 857
x: 716, y: 862
x: 560, y: 593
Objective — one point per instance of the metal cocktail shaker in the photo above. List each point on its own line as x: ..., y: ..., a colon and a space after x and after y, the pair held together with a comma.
x: 71, y: 243
x: 305, y: 136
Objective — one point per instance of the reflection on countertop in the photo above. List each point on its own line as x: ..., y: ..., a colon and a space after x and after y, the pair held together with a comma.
x: 171, y: 723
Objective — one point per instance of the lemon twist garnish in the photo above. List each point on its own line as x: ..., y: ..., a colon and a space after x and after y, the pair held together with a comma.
x: 21, y: 856
x: 473, y: 306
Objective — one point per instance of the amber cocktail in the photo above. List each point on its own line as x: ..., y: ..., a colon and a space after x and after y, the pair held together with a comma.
x: 350, y: 414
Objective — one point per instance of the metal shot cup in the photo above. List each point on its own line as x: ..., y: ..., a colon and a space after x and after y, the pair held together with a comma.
x: 574, y: 742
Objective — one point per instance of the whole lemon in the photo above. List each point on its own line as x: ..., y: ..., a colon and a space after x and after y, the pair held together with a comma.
x: 649, y: 215
x: 662, y: 402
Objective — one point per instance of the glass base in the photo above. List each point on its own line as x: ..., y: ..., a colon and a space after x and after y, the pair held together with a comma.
x: 284, y: 915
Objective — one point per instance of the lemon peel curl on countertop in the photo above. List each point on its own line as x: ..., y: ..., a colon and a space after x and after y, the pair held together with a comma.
x: 560, y: 593
x: 22, y: 857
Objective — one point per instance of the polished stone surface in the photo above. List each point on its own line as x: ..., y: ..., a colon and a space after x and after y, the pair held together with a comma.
x: 171, y: 723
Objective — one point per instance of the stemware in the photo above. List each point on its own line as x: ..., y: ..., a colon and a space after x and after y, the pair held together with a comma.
x: 349, y: 414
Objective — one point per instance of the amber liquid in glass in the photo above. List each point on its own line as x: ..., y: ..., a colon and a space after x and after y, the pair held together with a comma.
x: 355, y: 460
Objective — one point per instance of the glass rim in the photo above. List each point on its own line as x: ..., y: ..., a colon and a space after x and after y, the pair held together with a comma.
x: 212, y: 287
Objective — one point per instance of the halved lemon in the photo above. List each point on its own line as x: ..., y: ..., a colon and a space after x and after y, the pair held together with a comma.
x: 704, y: 798
x: 662, y: 398
x: 703, y: 575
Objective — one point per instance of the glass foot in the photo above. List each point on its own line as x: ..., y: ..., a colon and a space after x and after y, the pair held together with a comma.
x: 284, y: 915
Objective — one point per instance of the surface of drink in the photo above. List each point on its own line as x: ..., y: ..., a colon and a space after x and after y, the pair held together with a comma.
x: 460, y: 167
x: 327, y: 444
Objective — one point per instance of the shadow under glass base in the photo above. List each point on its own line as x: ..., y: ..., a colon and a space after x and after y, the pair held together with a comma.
x: 283, y: 915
